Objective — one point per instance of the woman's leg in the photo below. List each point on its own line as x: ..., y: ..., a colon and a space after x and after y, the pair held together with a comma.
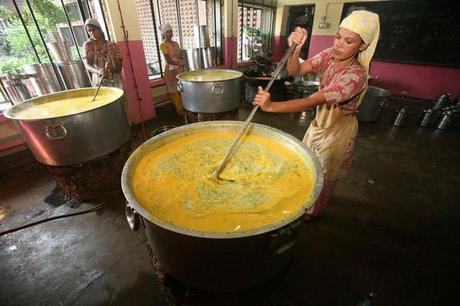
x: 177, y: 101
x: 321, y: 202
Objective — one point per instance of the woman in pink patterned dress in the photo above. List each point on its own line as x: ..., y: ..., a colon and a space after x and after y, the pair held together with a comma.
x: 102, y: 58
x: 343, y: 83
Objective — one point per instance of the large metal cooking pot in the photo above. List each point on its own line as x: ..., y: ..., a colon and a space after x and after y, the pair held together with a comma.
x: 73, y: 139
x: 222, y: 261
x: 210, y: 91
x: 371, y: 107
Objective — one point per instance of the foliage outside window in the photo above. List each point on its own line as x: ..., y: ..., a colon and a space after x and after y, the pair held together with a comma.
x: 20, y: 40
x: 182, y: 15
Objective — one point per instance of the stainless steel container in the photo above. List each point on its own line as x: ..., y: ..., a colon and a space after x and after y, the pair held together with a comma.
x: 16, y: 89
x: 210, y: 91
x: 441, y: 101
x: 400, y: 118
x: 201, y: 36
x: 60, y: 51
x: 445, y: 121
x: 427, y: 118
x: 209, y: 57
x: 195, y: 59
x: 44, y: 79
x: 371, y: 106
x: 73, y: 139
x: 222, y: 261
x: 74, y: 74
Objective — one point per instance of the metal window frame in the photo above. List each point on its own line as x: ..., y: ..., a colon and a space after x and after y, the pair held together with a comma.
x: 261, y: 5
x: 43, y: 42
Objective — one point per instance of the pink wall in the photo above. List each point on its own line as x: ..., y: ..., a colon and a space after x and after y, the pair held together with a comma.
x: 144, y: 110
x: 420, y: 81
x: 230, y: 50
x: 279, y: 45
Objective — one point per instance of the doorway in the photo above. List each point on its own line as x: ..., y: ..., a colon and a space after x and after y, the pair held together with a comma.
x: 301, y: 16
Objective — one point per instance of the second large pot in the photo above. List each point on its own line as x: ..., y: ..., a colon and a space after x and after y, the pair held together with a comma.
x: 210, y: 91
x: 222, y: 261
x: 75, y: 138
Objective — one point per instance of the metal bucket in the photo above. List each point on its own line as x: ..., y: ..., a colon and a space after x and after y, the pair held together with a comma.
x: 222, y: 261
x: 371, y: 107
x: 44, y: 79
x: 210, y: 91
x: 74, y: 74
x: 76, y: 138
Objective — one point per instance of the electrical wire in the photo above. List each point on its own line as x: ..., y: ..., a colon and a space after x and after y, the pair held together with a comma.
x: 92, y: 209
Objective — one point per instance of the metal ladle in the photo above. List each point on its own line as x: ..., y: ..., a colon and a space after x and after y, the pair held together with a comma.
x: 280, y: 66
x: 99, y: 85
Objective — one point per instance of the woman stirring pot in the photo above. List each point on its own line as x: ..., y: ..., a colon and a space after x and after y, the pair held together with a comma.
x: 344, y: 72
x: 102, y: 57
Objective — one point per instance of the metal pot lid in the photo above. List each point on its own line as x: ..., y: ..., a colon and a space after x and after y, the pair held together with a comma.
x: 210, y: 75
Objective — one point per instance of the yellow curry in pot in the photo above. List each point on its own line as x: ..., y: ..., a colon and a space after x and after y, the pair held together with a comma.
x: 264, y: 183
x: 65, y: 104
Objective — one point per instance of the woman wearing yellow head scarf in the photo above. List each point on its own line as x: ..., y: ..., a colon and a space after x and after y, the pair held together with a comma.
x: 344, y: 72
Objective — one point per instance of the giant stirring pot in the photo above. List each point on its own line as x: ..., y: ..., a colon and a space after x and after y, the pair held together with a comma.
x: 222, y: 235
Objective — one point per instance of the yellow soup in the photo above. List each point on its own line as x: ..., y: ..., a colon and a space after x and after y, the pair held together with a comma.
x: 65, y: 104
x: 264, y: 183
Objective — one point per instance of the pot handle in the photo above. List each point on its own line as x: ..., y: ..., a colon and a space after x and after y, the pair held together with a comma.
x: 132, y: 217
x: 56, y: 132
x: 217, y: 88
x: 285, y: 238
x: 180, y: 86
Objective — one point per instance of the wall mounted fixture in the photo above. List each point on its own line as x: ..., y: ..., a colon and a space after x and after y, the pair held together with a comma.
x: 323, y: 24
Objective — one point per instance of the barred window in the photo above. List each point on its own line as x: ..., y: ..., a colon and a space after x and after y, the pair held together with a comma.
x: 25, y: 29
x: 256, y: 21
x: 183, y: 16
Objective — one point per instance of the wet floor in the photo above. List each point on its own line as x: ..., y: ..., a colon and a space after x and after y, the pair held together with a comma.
x: 388, y: 237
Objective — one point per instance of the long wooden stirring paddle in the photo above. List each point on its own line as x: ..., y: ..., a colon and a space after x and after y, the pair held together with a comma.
x: 280, y: 66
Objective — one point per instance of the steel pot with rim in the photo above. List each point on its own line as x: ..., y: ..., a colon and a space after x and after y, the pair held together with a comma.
x: 77, y: 137
x: 210, y: 91
x: 222, y: 261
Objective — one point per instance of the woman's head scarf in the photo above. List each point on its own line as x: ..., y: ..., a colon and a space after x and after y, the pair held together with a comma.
x: 93, y: 22
x: 366, y: 25
x: 165, y: 27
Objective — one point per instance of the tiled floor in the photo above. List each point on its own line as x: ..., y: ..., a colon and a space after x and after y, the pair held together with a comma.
x: 388, y: 237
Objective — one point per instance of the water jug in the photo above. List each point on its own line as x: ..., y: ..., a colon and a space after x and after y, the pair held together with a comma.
x: 400, y: 117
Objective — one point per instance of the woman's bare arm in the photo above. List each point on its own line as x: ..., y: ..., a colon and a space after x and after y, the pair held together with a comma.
x: 297, y: 105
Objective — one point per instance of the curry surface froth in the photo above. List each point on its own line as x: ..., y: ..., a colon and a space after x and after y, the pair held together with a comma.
x: 269, y: 182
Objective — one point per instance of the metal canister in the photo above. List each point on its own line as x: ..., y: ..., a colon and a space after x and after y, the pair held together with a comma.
x: 400, y: 117
x: 444, y: 123
x: 427, y: 117
x: 441, y: 101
